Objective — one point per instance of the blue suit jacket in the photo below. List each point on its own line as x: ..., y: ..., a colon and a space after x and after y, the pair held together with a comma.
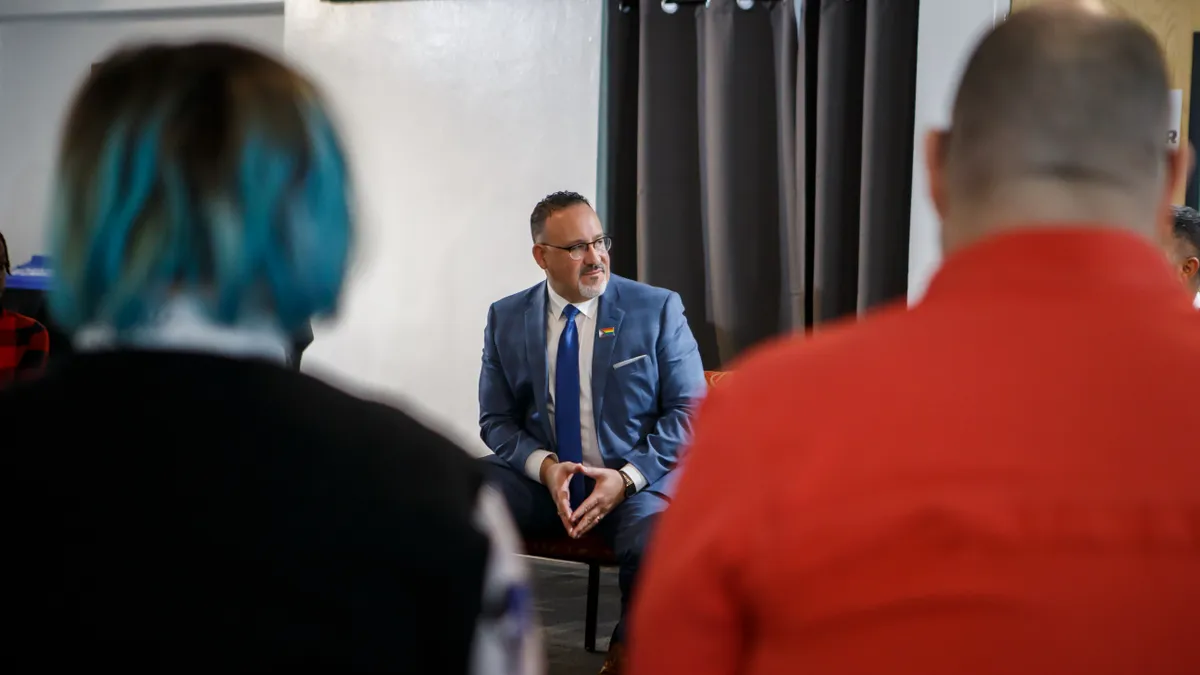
x: 642, y: 410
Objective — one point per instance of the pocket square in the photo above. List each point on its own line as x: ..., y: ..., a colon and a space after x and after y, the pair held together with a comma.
x: 626, y: 362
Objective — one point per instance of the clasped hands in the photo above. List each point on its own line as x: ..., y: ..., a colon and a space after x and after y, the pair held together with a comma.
x: 608, y: 492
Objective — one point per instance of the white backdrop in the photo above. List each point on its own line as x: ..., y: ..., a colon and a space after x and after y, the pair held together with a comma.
x: 948, y: 31
x: 460, y: 115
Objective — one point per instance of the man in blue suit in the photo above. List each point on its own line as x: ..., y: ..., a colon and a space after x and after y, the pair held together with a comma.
x: 586, y: 391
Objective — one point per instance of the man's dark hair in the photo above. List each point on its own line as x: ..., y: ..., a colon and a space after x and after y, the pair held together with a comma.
x: 4, y: 264
x: 1061, y: 94
x: 551, y: 205
x: 1187, y: 227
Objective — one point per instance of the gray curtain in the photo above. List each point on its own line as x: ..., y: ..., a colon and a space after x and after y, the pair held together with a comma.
x: 839, y: 94
x: 865, y: 101
x: 670, y: 236
x: 749, y: 185
x: 698, y: 163
x: 889, y: 115
x: 728, y: 173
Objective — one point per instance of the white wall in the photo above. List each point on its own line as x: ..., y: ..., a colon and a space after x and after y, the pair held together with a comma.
x: 459, y: 115
x: 948, y: 31
x: 41, y: 64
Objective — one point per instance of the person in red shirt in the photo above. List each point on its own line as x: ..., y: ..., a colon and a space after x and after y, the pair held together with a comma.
x: 24, y: 343
x: 992, y: 482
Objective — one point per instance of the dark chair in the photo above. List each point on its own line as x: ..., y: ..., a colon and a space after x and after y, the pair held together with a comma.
x: 591, y: 551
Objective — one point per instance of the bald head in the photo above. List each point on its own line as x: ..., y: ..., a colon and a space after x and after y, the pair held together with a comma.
x: 1094, y: 7
x: 1066, y: 94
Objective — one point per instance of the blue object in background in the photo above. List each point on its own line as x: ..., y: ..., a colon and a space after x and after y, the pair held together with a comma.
x: 35, y: 275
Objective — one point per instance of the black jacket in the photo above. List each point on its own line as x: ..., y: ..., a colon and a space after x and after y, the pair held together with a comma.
x: 194, y: 513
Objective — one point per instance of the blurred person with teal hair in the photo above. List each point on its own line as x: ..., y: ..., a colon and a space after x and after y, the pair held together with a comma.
x: 178, y: 498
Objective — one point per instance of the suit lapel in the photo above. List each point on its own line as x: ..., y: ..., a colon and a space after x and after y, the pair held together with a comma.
x: 609, y: 316
x: 535, y: 352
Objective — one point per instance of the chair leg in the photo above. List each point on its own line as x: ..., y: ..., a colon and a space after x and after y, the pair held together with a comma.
x: 593, y: 602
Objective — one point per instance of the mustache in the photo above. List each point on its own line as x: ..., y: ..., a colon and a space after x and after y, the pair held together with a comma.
x: 592, y: 268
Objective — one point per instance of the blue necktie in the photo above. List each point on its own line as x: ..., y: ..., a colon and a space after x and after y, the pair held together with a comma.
x: 566, y: 402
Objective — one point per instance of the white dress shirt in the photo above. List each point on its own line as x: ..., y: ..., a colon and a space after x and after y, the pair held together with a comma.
x: 585, y: 326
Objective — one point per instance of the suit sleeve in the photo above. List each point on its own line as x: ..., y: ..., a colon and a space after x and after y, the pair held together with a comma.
x: 681, y: 387
x: 500, y: 416
x: 694, y: 605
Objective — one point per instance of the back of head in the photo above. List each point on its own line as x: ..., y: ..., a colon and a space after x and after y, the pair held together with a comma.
x: 1067, y: 102
x: 1185, y: 246
x: 1187, y: 229
x: 207, y: 170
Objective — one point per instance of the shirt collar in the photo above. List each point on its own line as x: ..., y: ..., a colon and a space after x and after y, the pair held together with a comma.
x: 558, y: 303
x: 182, y: 325
x: 1077, y: 259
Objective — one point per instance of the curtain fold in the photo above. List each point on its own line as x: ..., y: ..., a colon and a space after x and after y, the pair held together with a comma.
x: 806, y: 125
x: 669, y: 220
x: 754, y: 130
x: 889, y: 113
x: 838, y: 178
x: 616, y: 203
x: 747, y: 105
x: 1192, y: 196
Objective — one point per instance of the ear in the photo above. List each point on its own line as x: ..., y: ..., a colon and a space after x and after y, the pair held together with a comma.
x: 1180, y: 162
x: 1190, y: 267
x: 935, y: 169
x: 539, y: 256
x: 1179, y: 168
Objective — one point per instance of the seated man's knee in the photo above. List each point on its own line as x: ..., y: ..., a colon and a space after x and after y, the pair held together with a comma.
x: 629, y: 556
x: 630, y: 543
x: 494, y: 460
x: 498, y: 473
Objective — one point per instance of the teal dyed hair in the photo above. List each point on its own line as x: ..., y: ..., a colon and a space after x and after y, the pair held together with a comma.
x: 208, y: 170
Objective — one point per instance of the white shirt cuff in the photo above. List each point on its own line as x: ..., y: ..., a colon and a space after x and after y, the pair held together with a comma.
x: 639, y: 481
x: 533, y: 465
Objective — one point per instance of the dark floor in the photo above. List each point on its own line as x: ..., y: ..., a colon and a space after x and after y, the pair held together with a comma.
x: 561, y: 592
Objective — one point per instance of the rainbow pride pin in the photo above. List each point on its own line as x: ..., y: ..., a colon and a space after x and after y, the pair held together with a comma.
x: 608, y: 332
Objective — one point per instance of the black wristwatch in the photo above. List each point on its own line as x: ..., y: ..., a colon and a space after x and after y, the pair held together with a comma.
x: 630, y: 486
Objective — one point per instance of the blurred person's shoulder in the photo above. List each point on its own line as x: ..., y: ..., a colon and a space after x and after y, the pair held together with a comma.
x: 20, y: 321
x: 231, y: 402
x: 387, y: 440
x: 805, y: 387
x: 796, y: 363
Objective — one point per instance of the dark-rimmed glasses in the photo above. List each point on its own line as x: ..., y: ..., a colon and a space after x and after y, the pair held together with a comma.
x: 602, y: 245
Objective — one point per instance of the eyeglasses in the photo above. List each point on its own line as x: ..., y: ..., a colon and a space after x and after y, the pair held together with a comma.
x: 602, y: 245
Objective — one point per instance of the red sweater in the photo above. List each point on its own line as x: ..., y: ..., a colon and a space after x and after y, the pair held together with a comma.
x: 1004, y: 480
x: 24, y: 346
